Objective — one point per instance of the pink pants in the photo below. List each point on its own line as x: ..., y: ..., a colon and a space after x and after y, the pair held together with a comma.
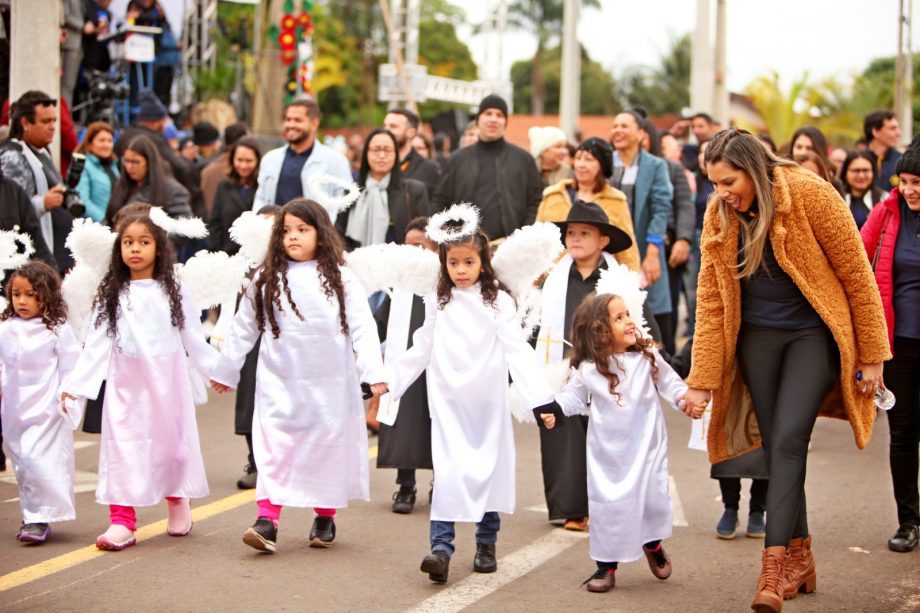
x: 273, y: 511
x: 125, y: 516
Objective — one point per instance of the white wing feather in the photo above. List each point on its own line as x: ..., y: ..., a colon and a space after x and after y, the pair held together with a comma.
x: 192, y: 227
x: 623, y: 282
x: 91, y: 244
x: 386, y: 266
x: 212, y: 277
x: 252, y: 232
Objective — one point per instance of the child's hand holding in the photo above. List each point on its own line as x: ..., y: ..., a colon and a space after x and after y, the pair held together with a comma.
x: 379, y: 389
x: 64, y: 398
x: 549, y: 420
x: 220, y: 388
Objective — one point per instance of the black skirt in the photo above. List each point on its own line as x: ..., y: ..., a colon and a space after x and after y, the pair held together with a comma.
x: 246, y: 391
x: 565, y: 467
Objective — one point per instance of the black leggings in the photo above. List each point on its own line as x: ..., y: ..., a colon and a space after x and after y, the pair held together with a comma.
x: 789, y: 372
x: 731, y: 493
x: 902, y: 377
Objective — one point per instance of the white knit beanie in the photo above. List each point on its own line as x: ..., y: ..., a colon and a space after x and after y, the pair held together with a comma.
x: 542, y: 137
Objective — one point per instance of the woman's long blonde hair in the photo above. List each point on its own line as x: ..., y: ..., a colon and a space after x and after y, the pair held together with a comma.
x: 742, y: 151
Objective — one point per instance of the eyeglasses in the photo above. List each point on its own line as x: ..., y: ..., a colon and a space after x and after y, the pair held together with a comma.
x: 381, y: 151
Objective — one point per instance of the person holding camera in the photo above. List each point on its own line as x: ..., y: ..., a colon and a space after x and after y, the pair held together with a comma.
x: 25, y: 159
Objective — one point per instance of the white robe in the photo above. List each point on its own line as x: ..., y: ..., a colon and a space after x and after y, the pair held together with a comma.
x: 309, y: 437
x: 34, y: 360
x: 149, y: 445
x: 468, y: 348
x: 628, y: 497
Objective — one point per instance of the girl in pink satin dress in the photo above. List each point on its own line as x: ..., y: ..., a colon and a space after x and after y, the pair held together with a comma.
x: 145, y: 340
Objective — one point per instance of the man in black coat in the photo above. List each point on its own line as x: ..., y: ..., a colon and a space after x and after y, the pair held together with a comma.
x: 404, y: 124
x: 151, y: 119
x: 498, y: 177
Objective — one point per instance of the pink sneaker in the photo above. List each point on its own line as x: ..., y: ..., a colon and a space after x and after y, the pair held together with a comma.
x: 179, y: 522
x: 116, y: 538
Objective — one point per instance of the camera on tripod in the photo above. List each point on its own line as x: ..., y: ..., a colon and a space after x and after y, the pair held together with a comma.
x: 72, y: 200
x: 103, y: 86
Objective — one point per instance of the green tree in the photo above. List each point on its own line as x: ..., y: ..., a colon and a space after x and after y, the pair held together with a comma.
x: 665, y: 89
x: 543, y: 19
x: 597, y: 86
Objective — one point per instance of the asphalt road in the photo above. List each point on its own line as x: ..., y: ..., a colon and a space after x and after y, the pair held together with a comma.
x: 374, y: 562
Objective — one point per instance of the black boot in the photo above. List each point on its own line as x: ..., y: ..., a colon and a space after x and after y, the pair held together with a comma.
x: 262, y: 535
x: 404, y: 499
x: 484, y: 562
x: 323, y: 532
x: 436, y: 564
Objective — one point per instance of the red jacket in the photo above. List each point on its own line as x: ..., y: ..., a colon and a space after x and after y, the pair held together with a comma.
x: 888, y: 209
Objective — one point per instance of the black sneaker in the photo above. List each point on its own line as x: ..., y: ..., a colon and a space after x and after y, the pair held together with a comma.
x: 248, y: 480
x: 905, y: 539
x: 323, y: 532
x: 262, y: 535
x: 484, y: 561
x: 436, y: 564
x: 404, y: 499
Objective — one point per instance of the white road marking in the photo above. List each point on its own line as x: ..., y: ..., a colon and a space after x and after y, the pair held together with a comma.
x: 511, y: 567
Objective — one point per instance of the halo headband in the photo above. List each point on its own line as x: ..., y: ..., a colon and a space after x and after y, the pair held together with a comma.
x: 465, y: 214
x: 333, y: 204
x: 10, y: 256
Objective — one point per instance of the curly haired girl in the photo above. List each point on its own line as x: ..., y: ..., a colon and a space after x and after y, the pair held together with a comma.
x: 146, y: 342
x: 308, y: 431
x: 37, y: 349
x: 616, y: 379
x: 470, y: 340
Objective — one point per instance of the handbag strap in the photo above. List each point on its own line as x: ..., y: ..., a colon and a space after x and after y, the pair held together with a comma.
x: 881, y: 237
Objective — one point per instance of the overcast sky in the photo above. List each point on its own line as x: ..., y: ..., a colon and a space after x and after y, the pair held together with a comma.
x: 825, y: 37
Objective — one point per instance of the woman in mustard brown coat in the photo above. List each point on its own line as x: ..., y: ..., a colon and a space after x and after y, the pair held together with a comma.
x: 787, y: 315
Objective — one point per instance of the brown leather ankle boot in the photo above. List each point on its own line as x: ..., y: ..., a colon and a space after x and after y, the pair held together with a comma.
x: 769, y: 597
x: 800, y: 569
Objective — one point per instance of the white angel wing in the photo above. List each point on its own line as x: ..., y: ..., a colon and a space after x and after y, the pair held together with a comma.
x: 252, y: 232
x: 191, y: 227
x: 520, y: 260
x: 386, y: 266
x: 91, y: 245
x: 211, y: 277
x: 623, y: 282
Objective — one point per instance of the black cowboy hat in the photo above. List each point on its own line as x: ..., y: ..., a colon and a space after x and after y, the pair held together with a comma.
x: 591, y: 213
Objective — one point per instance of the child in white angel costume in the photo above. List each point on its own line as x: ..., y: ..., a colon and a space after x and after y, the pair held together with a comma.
x: 37, y: 349
x: 319, y: 343
x: 617, y: 376
x: 145, y: 340
x: 471, y: 339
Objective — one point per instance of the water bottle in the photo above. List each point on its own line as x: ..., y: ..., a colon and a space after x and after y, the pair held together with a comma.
x: 884, y: 398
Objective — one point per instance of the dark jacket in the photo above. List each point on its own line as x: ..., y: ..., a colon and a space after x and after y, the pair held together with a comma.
x: 229, y: 203
x: 406, y: 200
x: 17, y: 215
x: 181, y: 168
x: 177, y: 204
x: 519, y: 185
x: 682, y: 221
x: 421, y: 169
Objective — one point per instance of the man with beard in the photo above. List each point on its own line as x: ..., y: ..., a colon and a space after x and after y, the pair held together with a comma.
x: 496, y: 176
x: 284, y: 171
x: 404, y: 124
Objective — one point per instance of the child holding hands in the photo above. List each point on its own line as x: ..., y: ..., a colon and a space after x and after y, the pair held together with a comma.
x: 470, y: 341
x: 37, y: 350
x: 616, y: 379
x: 145, y: 340
x: 319, y: 342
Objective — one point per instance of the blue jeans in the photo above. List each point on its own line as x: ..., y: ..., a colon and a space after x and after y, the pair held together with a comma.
x: 442, y: 533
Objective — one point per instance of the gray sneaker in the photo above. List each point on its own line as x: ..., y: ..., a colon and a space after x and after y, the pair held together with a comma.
x: 248, y: 480
x: 33, y: 533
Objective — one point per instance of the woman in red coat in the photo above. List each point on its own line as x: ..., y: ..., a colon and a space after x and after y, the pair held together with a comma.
x: 892, y: 239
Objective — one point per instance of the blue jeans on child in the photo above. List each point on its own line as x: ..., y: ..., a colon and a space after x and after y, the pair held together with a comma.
x: 442, y: 533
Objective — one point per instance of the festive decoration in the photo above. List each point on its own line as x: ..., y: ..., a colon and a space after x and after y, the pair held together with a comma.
x: 440, y: 226
x: 294, y: 35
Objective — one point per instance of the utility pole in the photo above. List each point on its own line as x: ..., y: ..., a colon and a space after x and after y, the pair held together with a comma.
x: 702, y: 77
x: 570, y: 83
x: 35, y: 31
x: 720, y: 90
x: 904, y: 73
